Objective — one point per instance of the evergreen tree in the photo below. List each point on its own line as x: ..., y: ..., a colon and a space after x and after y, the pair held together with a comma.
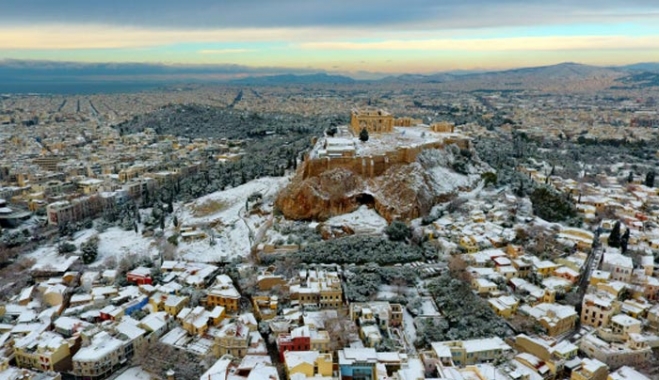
x: 614, y: 236
x: 170, y: 206
x: 363, y: 135
x: 162, y: 222
x: 630, y: 177
x: 138, y: 217
x: 624, y: 241
x: 175, y: 221
x: 398, y: 231
x: 649, y: 179
x: 89, y: 250
x: 520, y: 190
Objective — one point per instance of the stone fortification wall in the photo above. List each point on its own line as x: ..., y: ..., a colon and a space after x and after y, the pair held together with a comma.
x: 376, y: 165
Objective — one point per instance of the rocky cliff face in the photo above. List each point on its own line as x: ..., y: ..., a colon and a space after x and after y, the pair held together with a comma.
x: 403, y: 192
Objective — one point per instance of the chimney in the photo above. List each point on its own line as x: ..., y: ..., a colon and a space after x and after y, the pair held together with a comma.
x: 171, y: 375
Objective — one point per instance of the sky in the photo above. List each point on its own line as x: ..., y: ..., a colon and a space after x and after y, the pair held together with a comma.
x: 340, y: 36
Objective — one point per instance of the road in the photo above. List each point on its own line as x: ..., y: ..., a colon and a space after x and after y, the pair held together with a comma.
x: 592, y: 262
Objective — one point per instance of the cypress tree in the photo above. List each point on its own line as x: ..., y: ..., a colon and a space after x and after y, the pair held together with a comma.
x: 614, y: 236
x: 363, y: 135
x: 649, y: 179
x: 624, y: 241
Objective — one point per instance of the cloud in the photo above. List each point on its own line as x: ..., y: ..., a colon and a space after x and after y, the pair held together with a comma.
x: 364, y: 14
x: 497, y: 44
x: 58, y: 37
x: 225, y: 51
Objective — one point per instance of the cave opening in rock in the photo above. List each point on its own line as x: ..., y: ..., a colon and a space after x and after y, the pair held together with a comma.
x: 365, y: 199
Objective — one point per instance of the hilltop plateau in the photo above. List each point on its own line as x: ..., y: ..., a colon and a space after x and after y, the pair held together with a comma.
x: 404, y: 191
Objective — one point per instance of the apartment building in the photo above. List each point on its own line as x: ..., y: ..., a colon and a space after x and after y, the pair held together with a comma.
x: 597, y: 309
x: 386, y: 314
x: 469, y: 352
x: 232, y: 339
x: 224, y: 293
x: 197, y: 321
x: 43, y: 351
x: 627, y: 373
x: 633, y: 352
x: 556, y: 319
x: 590, y: 369
x: 619, y: 265
x: 100, y: 356
x: 317, y: 287
x: 308, y: 365
x: 358, y: 363
x: 174, y: 304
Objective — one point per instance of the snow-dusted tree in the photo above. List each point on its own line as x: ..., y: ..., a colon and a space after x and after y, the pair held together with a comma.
x: 66, y: 247
x: 89, y: 250
x: 398, y: 231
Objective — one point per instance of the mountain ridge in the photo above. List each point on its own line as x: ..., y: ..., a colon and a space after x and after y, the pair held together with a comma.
x: 32, y: 73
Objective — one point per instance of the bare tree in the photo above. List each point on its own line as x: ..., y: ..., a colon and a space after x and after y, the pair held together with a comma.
x: 458, y: 269
x: 399, y: 286
x: 288, y: 267
x: 158, y: 358
x: 342, y: 331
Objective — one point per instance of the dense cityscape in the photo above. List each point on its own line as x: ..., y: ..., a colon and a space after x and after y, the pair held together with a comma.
x: 329, y: 191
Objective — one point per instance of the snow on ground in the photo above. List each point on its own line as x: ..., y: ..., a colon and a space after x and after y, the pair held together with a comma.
x: 134, y: 373
x: 233, y: 237
x: 475, y: 193
x: 364, y: 220
x: 115, y: 242
x: 401, y: 136
x: 47, y: 259
x: 446, y: 180
x: 408, y: 326
x: 428, y: 308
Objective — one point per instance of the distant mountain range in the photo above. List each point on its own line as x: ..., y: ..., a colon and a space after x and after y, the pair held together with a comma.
x: 47, y: 76
x: 294, y: 79
x: 567, y: 70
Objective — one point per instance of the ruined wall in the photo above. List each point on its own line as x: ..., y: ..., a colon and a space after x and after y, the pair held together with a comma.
x: 373, y: 166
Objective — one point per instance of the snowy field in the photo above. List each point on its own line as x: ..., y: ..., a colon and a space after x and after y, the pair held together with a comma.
x: 364, y: 220
x: 114, y: 242
x: 447, y: 180
x: 232, y: 236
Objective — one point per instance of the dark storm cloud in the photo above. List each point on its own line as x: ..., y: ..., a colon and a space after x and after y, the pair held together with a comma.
x: 300, y: 13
